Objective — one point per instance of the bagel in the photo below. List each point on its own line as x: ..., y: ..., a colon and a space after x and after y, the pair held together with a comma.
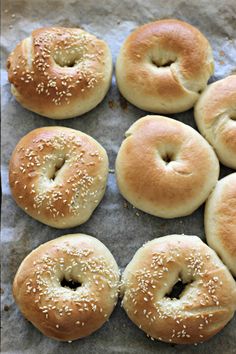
x: 60, y: 72
x: 165, y: 167
x: 58, y: 175
x: 199, y: 311
x: 215, y: 116
x: 220, y: 220
x: 67, y: 287
x: 163, y: 65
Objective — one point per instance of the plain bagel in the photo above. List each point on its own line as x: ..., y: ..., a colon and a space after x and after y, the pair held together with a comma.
x: 163, y: 65
x: 60, y: 72
x: 58, y: 175
x: 220, y: 220
x: 67, y: 287
x: 215, y: 116
x: 197, y: 312
x: 165, y: 167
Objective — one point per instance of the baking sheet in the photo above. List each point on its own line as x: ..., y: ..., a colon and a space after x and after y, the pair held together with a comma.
x: 118, y: 225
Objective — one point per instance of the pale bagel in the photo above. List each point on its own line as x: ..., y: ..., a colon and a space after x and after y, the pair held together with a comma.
x: 215, y: 116
x: 220, y: 220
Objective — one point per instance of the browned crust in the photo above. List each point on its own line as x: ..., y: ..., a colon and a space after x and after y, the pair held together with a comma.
x: 202, y: 311
x: 54, y: 91
x: 173, y: 36
x: 165, y: 189
x: 71, y: 197
x: 67, y: 315
x: 176, y: 86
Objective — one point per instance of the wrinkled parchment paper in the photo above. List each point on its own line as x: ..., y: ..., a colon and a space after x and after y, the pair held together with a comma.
x: 119, y: 226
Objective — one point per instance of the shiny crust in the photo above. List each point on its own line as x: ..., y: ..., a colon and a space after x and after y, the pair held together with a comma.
x: 163, y: 65
x: 62, y: 91
x: 215, y: 116
x: 59, y: 312
x: 220, y: 220
x: 205, y: 306
x: 162, y: 188
x: 58, y: 175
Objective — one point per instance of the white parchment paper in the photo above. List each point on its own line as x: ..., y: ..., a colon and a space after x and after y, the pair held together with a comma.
x: 120, y: 227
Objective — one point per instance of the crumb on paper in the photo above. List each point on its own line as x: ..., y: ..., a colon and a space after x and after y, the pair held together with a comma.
x: 222, y: 53
x: 111, y: 104
x: 123, y: 103
x: 125, y: 205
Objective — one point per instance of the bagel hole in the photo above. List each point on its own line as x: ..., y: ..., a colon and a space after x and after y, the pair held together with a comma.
x: 69, y: 58
x: 177, y: 290
x: 69, y: 63
x: 167, y: 158
x: 164, y: 61
x: 233, y: 117
x: 70, y: 284
x: 162, y: 65
x: 60, y: 163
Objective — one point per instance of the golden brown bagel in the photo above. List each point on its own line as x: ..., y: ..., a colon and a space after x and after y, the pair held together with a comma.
x: 67, y: 287
x: 165, y: 167
x: 215, y: 116
x: 201, y: 310
x: 60, y: 72
x: 163, y: 65
x: 58, y: 175
x: 220, y: 220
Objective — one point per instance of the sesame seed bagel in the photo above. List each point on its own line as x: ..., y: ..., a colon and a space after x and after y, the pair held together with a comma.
x: 67, y: 287
x: 163, y: 65
x: 58, y: 175
x: 220, y: 220
x: 215, y: 116
x: 165, y: 167
x: 60, y: 72
x: 202, y: 309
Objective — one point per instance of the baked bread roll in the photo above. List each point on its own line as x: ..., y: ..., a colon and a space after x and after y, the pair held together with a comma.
x: 165, y: 167
x: 67, y: 287
x: 201, y: 308
x: 60, y: 72
x: 58, y: 175
x: 215, y: 116
x: 220, y: 220
x: 163, y: 65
